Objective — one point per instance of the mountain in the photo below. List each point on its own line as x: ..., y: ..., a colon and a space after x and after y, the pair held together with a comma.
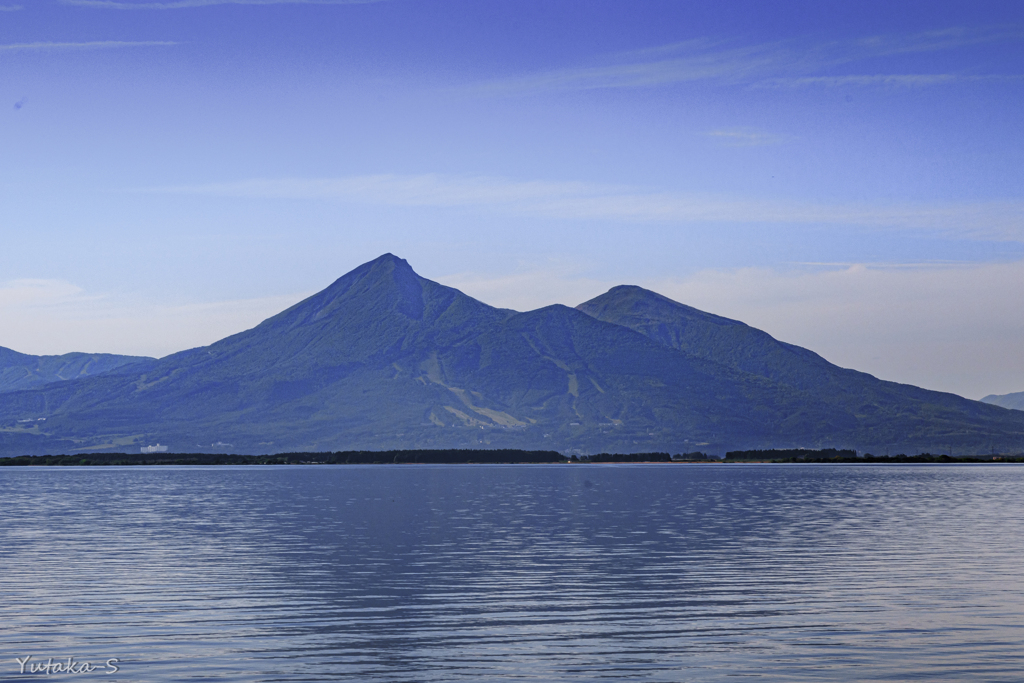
x: 385, y: 359
x: 21, y: 371
x: 728, y: 342
x: 741, y: 347
x: 1014, y: 401
x: 901, y: 416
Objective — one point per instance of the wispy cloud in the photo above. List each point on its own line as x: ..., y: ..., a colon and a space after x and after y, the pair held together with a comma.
x: 35, y: 293
x: 893, y: 80
x: 404, y: 190
x: 93, y: 45
x: 929, y: 41
x: 745, y: 137
x: 692, y: 61
x: 587, y: 201
x: 10, y: 8
x: 706, y: 59
x: 186, y: 4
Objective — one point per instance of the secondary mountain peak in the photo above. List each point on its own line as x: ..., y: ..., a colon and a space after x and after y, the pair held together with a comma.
x: 642, y: 305
x: 712, y: 337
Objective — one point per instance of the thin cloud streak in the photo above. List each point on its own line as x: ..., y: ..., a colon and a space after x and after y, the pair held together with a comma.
x: 729, y: 65
x: 36, y: 293
x: 705, y: 59
x: 92, y: 45
x: 583, y: 201
x: 10, y: 8
x: 187, y: 4
x: 934, y: 41
x: 745, y: 137
x: 897, y: 80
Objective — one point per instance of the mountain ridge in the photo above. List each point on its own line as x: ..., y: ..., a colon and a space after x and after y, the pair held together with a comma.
x: 20, y: 371
x: 1014, y: 401
x: 385, y: 359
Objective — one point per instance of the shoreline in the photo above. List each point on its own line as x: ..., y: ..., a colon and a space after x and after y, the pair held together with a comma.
x: 479, y: 457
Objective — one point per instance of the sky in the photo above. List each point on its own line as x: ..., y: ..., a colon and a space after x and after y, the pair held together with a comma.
x: 848, y: 177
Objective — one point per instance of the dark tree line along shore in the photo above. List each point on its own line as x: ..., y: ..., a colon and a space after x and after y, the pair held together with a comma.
x: 505, y: 456
x: 327, y: 458
x: 831, y: 455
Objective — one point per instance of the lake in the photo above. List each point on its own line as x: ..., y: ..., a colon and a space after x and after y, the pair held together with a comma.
x: 515, y: 573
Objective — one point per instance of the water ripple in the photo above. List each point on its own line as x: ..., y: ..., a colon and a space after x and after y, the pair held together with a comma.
x: 519, y: 573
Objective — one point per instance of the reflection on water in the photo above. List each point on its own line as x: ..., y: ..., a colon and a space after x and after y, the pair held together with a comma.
x: 501, y: 573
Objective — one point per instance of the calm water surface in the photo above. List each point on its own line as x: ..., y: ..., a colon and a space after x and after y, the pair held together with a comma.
x: 516, y: 573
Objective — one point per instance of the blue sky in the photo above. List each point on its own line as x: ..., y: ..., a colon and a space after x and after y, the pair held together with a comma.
x: 848, y: 178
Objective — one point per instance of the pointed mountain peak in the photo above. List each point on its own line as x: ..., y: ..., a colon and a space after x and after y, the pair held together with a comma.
x: 389, y: 260
x: 382, y: 294
x: 384, y: 268
x: 385, y: 283
x: 382, y: 271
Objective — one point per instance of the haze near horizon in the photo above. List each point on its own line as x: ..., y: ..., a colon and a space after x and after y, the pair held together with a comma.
x: 846, y: 179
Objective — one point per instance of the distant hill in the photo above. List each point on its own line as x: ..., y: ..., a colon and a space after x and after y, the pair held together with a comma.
x: 1014, y: 401
x: 385, y: 359
x: 21, y: 371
